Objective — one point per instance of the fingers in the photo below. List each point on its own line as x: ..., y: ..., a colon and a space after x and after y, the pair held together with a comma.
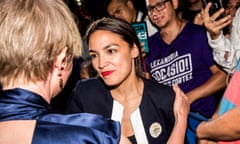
x: 143, y: 53
x: 223, y: 22
x: 212, y: 25
x: 178, y: 91
x: 215, y: 27
x: 206, y: 10
x: 217, y: 14
x: 181, y: 104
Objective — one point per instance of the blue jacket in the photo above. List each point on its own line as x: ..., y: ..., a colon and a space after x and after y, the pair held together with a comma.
x: 51, y: 128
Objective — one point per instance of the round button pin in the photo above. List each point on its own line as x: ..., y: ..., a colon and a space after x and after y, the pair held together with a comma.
x: 155, y: 129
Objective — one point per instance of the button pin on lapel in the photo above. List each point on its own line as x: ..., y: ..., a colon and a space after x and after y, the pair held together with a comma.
x: 155, y: 129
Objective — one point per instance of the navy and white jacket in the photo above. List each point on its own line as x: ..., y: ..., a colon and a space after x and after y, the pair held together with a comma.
x: 154, y: 119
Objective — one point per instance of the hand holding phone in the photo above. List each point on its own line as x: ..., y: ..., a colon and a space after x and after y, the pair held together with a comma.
x: 141, y: 31
x: 216, y: 5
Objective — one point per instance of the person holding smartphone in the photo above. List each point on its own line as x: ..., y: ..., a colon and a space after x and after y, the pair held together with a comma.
x: 226, y: 50
x: 223, y: 127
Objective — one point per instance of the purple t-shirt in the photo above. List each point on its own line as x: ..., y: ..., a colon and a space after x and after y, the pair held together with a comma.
x: 186, y: 62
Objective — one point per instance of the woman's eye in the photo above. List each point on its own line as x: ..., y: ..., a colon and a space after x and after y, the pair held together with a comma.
x: 93, y: 56
x: 112, y: 51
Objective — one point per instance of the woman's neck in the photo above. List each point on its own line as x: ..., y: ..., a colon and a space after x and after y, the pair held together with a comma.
x: 39, y: 88
x: 130, y: 89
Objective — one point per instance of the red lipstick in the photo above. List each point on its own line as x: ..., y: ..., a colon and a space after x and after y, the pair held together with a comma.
x: 106, y: 73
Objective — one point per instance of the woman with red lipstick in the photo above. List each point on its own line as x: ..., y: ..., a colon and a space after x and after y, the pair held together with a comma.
x: 149, y: 112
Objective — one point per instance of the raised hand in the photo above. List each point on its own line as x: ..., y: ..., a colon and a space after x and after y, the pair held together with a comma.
x: 214, y: 25
x: 181, y: 104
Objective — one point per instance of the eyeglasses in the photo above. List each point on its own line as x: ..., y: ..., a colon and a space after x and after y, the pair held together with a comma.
x: 159, y: 7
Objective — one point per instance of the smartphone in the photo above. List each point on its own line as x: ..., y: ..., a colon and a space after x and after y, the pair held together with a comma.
x: 141, y: 31
x: 216, y: 5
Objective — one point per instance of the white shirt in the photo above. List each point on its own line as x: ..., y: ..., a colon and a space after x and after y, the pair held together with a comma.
x: 136, y: 121
x: 232, y: 46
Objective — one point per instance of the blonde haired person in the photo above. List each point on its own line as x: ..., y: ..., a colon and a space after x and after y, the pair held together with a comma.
x: 38, y: 42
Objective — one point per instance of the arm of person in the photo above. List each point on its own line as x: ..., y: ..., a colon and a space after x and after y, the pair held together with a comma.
x: 222, y: 46
x: 216, y: 82
x: 209, y: 141
x: 226, y: 51
x: 181, y: 110
x: 225, y: 127
x: 17, y: 131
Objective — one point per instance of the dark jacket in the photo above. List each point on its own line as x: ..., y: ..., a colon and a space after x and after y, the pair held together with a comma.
x: 93, y: 96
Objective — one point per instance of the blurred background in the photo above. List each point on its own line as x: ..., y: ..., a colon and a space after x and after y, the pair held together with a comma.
x: 88, y: 10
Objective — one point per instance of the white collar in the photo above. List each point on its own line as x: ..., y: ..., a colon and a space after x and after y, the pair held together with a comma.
x: 136, y: 121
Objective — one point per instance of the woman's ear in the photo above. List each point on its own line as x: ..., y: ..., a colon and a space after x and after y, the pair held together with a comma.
x: 135, y: 51
x: 60, y: 62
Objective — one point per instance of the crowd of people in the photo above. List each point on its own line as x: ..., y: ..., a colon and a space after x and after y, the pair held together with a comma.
x: 190, y: 74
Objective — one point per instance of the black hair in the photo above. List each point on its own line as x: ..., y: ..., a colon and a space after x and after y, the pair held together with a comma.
x: 121, y: 28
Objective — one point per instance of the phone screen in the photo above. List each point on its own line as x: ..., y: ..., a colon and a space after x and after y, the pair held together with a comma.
x: 141, y: 31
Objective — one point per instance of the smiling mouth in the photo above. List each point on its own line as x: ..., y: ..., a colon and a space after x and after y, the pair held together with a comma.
x: 106, y: 73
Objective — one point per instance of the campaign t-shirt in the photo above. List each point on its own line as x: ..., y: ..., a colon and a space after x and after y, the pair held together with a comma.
x: 186, y: 62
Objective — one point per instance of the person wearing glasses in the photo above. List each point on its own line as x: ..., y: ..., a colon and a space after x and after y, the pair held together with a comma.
x: 180, y: 55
